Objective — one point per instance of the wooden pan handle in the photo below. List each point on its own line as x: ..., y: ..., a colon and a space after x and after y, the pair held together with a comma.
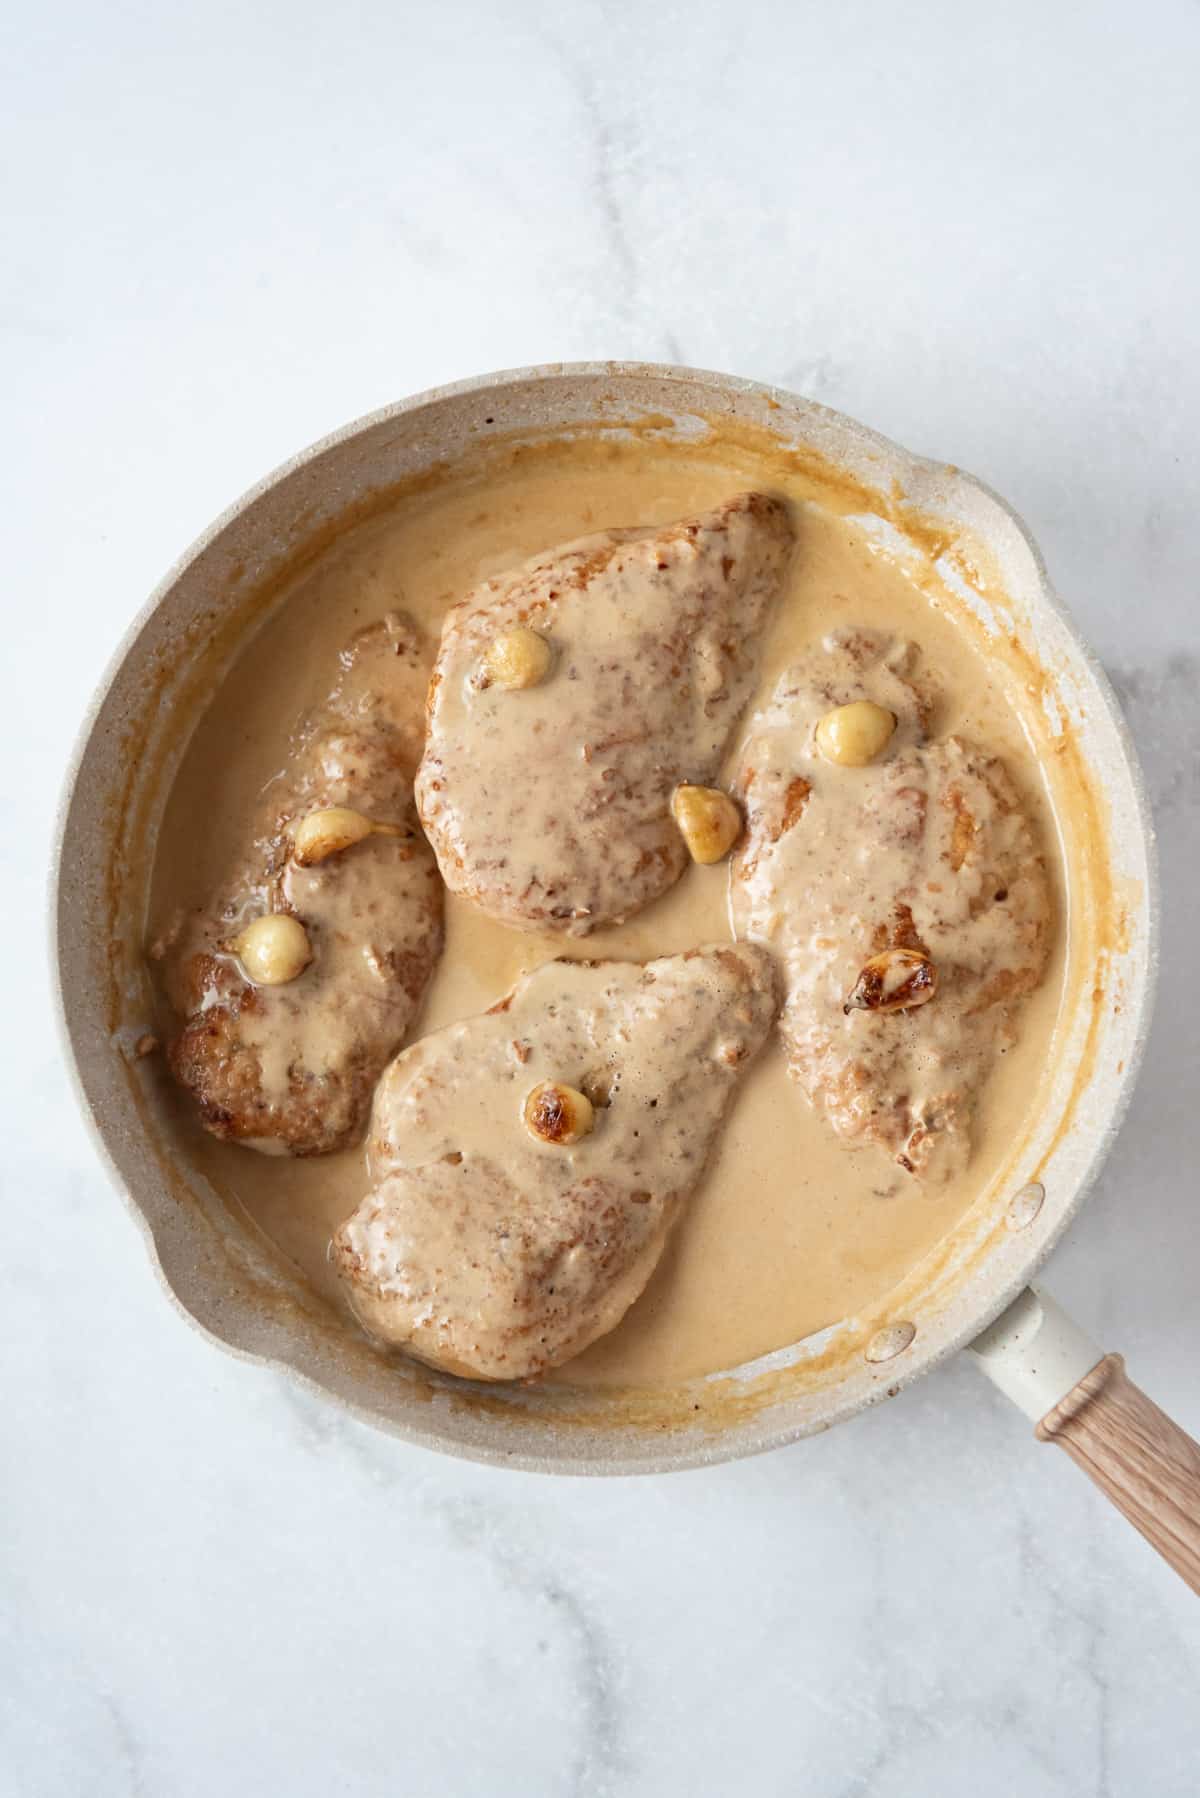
x: 1143, y: 1462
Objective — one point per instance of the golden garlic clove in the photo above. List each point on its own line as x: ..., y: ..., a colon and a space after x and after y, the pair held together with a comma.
x: 517, y: 658
x: 709, y: 822
x: 853, y: 735
x: 558, y: 1114
x: 322, y: 834
x: 894, y: 980
x: 273, y: 949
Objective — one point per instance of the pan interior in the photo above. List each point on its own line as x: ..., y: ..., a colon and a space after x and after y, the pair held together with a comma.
x: 973, y: 561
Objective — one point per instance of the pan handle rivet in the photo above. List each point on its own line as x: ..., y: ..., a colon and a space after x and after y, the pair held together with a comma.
x: 1024, y: 1206
x: 890, y: 1341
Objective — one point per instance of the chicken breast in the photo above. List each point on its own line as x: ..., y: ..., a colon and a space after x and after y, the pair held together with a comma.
x: 571, y: 696
x: 501, y: 1234
x: 291, y: 1068
x: 907, y: 900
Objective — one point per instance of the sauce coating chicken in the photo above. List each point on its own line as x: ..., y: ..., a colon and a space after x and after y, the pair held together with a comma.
x: 303, y: 977
x: 900, y: 884
x: 528, y: 1164
x: 573, y: 695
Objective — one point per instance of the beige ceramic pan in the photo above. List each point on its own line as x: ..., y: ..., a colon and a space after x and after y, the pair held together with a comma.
x: 237, y: 1291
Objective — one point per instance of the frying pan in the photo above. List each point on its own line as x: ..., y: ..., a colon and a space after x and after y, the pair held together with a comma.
x: 974, y: 1291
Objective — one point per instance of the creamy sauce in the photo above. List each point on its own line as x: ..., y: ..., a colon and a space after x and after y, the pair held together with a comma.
x: 291, y: 1066
x: 546, y: 805
x: 489, y: 1250
x: 921, y: 857
x: 787, y: 1232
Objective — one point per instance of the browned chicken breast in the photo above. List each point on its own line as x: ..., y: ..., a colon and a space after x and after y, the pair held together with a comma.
x: 571, y: 696
x: 900, y: 883
x: 302, y: 979
x: 527, y: 1165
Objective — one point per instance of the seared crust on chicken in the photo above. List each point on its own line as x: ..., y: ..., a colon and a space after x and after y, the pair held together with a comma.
x: 501, y: 1236
x: 573, y: 695
x: 290, y: 1068
x: 907, y: 900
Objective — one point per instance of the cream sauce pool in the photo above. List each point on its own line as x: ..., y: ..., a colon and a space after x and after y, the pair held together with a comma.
x: 789, y: 1231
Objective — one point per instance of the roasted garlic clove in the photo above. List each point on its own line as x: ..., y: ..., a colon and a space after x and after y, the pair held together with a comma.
x: 273, y: 949
x: 558, y: 1114
x: 325, y: 833
x: 709, y: 822
x: 517, y: 658
x: 894, y: 980
x: 853, y: 735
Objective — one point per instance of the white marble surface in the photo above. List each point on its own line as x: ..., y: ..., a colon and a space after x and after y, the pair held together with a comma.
x: 229, y: 229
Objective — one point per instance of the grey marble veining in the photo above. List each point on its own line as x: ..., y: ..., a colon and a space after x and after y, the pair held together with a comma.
x: 228, y: 232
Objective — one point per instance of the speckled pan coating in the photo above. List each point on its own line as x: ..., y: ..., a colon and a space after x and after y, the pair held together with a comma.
x: 230, y: 1284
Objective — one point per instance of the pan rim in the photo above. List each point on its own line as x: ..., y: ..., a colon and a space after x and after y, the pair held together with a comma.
x: 772, y: 1430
